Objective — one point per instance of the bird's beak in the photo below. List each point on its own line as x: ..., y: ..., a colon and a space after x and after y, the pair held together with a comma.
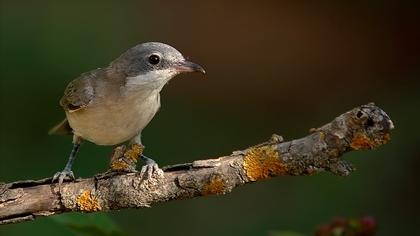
x: 187, y: 66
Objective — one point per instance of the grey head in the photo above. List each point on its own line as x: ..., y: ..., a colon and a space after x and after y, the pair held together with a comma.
x: 153, y: 62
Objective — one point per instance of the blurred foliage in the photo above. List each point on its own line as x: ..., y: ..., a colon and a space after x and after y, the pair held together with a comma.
x: 273, y: 67
x: 365, y: 226
x: 284, y: 233
x: 98, y: 224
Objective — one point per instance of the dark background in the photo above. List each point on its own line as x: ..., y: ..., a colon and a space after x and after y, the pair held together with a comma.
x: 273, y: 67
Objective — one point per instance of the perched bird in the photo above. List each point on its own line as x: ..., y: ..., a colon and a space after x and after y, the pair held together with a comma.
x: 112, y: 105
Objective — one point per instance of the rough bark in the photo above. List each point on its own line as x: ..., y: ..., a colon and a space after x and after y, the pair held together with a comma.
x: 362, y: 128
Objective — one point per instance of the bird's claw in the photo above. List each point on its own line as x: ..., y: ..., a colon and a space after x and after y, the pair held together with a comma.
x: 63, y: 175
x: 150, y: 168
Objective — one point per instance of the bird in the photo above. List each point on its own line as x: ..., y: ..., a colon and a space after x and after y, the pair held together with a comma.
x: 112, y: 105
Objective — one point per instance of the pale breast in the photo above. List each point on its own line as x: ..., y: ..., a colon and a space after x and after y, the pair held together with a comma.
x: 111, y: 122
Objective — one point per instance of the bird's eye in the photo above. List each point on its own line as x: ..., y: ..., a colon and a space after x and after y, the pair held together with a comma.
x: 154, y: 59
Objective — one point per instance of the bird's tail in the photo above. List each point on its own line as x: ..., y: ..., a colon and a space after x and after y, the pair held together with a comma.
x: 62, y: 128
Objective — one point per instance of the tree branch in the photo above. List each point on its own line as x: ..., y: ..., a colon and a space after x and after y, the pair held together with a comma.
x: 362, y: 128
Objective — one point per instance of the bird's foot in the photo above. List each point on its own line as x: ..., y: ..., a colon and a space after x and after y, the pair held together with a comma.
x: 150, y: 168
x: 63, y: 175
x: 125, y: 160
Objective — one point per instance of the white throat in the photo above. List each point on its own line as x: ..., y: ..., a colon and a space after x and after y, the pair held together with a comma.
x: 150, y: 80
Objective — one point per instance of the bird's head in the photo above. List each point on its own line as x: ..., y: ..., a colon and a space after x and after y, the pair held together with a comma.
x: 153, y: 63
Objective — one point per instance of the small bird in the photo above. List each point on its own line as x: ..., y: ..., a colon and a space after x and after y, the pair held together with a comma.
x: 112, y: 105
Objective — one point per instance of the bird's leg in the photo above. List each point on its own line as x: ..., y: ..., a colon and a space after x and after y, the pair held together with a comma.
x: 67, y: 173
x: 125, y: 160
x: 150, y: 166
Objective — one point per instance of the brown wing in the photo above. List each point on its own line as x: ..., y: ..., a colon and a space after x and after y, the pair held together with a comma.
x: 80, y: 92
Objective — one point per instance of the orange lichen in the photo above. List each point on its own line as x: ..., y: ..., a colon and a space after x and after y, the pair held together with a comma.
x: 385, y: 139
x: 87, y: 202
x: 361, y: 141
x: 216, y: 185
x: 134, y: 152
x: 119, y: 165
x: 125, y: 160
x: 263, y: 162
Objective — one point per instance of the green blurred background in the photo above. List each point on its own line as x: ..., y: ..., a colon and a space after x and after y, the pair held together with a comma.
x: 273, y: 67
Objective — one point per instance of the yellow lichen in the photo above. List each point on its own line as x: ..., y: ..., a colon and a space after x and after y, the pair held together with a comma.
x: 361, y: 141
x: 87, y: 202
x: 216, y: 185
x: 263, y: 162
x: 321, y: 135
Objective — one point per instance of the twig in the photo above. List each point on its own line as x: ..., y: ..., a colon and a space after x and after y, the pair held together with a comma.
x: 362, y: 128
